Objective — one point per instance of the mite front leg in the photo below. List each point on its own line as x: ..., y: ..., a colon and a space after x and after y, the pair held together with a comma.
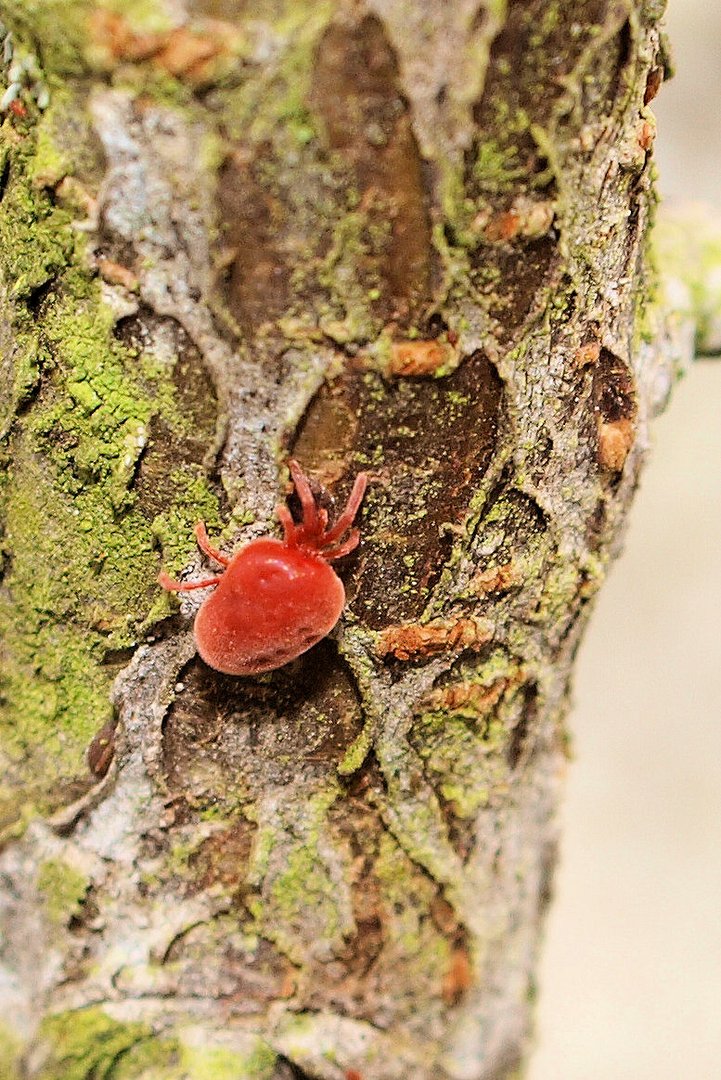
x: 185, y: 586
x: 201, y: 535
x: 351, y: 509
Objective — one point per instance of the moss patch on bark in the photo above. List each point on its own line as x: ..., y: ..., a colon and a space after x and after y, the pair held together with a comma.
x: 79, y: 545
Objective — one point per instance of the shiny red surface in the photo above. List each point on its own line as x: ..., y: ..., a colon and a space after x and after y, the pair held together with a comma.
x: 272, y: 603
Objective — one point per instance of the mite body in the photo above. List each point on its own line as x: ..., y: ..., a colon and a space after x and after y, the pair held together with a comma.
x: 275, y: 599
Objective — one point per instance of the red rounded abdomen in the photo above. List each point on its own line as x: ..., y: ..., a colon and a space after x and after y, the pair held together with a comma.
x: 272, y: 604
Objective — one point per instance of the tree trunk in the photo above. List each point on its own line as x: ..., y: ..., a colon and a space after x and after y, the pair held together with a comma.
x: 394, y: 235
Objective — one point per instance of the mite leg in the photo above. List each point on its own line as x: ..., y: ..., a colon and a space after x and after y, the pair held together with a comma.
x: 201, y: 535
x: 286, y: 520
x: 351, y: 509
x: 184, y: 586
x: 342, y: 549
x: 310, y: 510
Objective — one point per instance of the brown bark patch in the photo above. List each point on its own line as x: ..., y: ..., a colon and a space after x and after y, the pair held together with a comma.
x: 459, y: 977
x: 187, y: 53
x: 416, y: 641
x: 101, y: 750
x: 614, y: 442
x: 352, y: 981
x: 257, y: 285
x: 524, y: 727
x: 587, y: 354
x: 222, y: 859
x: 359, y: 825
x: 116, y: 274
x: 522, y: 271
x: 356, y: 93
x: 615, y: 408
x: 653, y: 84
x: 532, y: 61
x: 495, y: 579
x: 401, y: 433
x: 177, y: 441
x: 421, y: 357
x: 535, y: 51
x: 467, y: 697
x: 526, y: 217
x: 227, y: 738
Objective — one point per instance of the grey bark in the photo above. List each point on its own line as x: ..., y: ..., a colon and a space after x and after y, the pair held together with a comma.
x: 399, y: 236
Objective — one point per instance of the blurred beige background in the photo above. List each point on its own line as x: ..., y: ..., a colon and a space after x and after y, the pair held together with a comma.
x: 630, y: 984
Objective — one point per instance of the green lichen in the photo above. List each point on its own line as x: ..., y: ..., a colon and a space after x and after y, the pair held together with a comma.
x: 193, y: 500
x: 151, y: 1059
x: 413, y: 941
x: 86, y: 1045
x: 219, y: 1063
x: 560, y: 587
x: 89, y: 1044
x: 142, y: 15
x: 10, y: 1049
x: 63, y: 889
x: 352, y: 243
x: 357, y: 752
x: 59, y: 27
x: 273, y: 96
x: 462, y: 757
x: 304, y: 883
x: 78, y: 542
x: 190, y: 1056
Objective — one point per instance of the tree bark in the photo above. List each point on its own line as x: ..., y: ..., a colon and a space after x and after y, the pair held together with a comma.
x: 392, y: 235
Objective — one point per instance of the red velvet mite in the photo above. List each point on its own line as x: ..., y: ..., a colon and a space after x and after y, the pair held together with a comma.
x: 276, y: 598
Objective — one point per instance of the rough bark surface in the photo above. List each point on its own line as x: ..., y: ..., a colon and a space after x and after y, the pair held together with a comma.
x: 395, y: 235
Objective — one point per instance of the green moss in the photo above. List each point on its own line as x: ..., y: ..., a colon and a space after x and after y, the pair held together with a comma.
x: 64, y: 604
x: 10, y: 1049
x: 78, y: 541
x: 141, y: 15
x: 151, y: 1059
x: 96, y: 427
x: 413, y: 940
x: 193, y: 500
x: 273, y: 96
x: 219, y: 1063
x: 20, y: 363
x: 496, y: 168
x: 64, y: 890
x: 302, y: 885
x: 58, y: 27
x: 52, y: 161
x: 86, y: 1043
x: 35, y: 236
